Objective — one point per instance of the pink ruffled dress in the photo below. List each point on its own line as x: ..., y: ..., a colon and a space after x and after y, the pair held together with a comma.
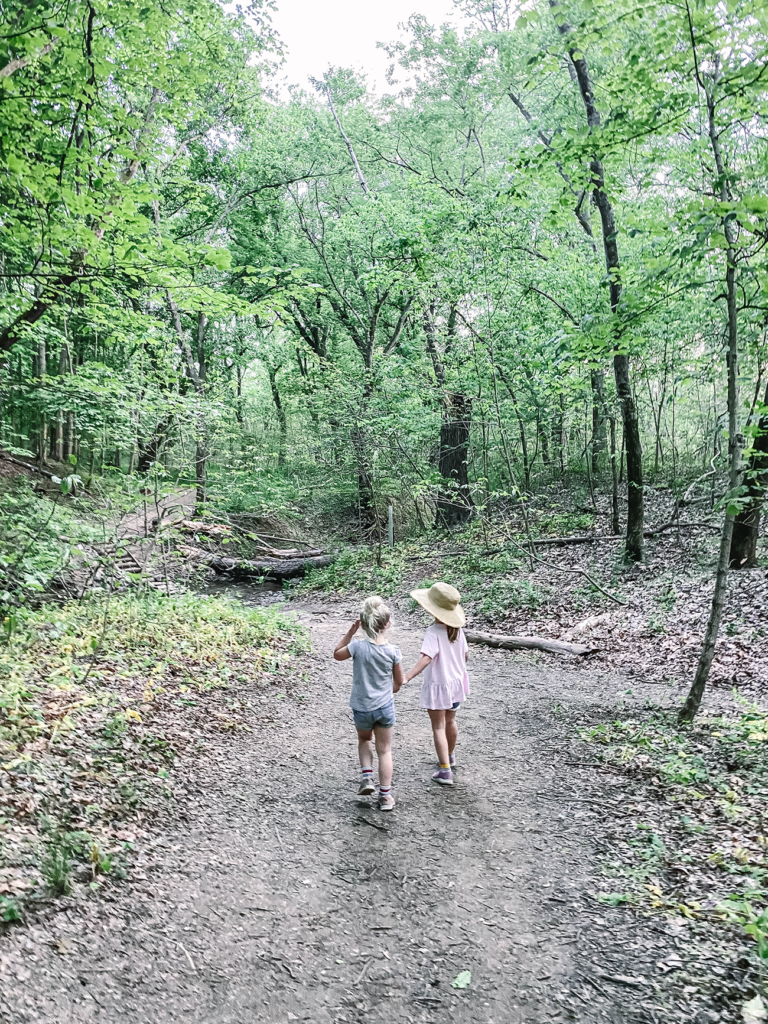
x: 446, y: 681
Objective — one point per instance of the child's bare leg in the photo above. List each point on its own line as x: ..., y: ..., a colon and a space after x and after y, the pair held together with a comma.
x: 437, y: 718
x: 365, y: 747
x: 451, y: 730
x: 384, y: 751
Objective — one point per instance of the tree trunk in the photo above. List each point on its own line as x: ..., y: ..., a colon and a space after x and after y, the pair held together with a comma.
x: 281, y: 417
x: 59, y: 449
x: 693, y: 700
x: 454, y: 502
x: 70, y: 441
x: 42, y: 439
x: 615, y: 520
x: 149, y: 447
x: 560, y: 431
x: 635, y: 504
x: 599, y: 440
x: 746, y: 527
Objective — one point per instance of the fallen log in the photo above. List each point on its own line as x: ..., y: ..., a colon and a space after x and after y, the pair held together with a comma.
x: 277, y: 570
x: 559, y: 542
x: 592, y: 538
x: 524, y: 643
x: 290, y: 552
x: 32, y: 468
x: 209, y: 529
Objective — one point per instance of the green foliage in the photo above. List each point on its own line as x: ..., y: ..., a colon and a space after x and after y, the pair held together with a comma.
x: 357, y: 572
x: 753, y: 920
x: 96, y: 729
x: 56, y: 865
x: 10, y: 910
x: 38, y: 537
x: 221, y: 280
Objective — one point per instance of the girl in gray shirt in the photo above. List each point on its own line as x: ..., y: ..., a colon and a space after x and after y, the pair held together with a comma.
x: 376, y: 674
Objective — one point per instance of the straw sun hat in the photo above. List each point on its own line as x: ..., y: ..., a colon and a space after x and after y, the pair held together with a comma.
x: 442, y: 601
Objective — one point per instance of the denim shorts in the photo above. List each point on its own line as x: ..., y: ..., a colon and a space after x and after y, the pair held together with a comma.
x: 383, y: 717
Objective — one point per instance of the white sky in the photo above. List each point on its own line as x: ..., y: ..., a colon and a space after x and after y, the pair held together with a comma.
x: 344, y: 33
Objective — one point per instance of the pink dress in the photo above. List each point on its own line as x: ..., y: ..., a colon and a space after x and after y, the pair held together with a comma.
x: 445, y: 679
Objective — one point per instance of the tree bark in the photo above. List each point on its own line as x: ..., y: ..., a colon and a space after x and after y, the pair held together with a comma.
x: 526, y: 643
x: 280, y: 409
x: 42, y: 440
x: 599, y: 439
x: 454, y: 503
x: 615, y: 520
x: 693, y: 700
x: 621, y: 368
x: 286, y: 569
x: 746, y: 527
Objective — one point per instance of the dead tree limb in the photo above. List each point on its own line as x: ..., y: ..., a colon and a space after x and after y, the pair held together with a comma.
x: 523, y: 643
x: 277, y: 570
x: 594, y: 538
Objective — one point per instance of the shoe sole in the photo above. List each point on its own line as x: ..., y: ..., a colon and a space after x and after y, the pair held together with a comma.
x: 386, y: 807
x: 443, y: 782
x: 366, y: 790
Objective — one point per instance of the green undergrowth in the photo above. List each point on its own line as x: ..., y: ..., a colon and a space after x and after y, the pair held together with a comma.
x: 490, y: 583
x: 39, y: 536
x: 691, y: 839
x: 97, y: 701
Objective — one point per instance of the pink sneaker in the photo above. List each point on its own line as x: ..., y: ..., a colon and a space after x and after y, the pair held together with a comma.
x: 444, y: 776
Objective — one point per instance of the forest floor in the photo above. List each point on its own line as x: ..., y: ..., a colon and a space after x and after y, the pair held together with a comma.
x: 279, y: 896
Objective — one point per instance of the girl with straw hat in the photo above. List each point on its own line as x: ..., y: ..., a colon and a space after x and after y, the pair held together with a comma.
x: 443, y: 661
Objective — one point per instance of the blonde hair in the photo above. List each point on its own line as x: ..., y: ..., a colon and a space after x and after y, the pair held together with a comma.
x: 453, y: 633
x: 374, y: 615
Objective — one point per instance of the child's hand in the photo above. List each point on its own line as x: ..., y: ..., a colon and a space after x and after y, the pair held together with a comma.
x: 396, y: 687
x: 355, y: 626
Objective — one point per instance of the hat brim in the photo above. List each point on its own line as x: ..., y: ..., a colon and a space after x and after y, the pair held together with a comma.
x: 448, y: 616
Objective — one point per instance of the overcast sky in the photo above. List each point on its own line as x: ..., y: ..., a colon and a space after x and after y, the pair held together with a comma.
x: 344, y: 33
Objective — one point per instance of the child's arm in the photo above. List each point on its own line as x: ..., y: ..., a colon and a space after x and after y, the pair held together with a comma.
x: 419, y: 667
x: 340, y: 651
x: 397, y: 676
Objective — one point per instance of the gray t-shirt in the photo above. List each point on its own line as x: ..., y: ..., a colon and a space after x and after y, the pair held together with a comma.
x: 372, y: 674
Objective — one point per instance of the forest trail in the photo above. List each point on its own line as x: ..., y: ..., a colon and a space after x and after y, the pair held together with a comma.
x: 278, y: 901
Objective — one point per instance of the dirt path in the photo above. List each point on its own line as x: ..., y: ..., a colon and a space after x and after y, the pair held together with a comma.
x: 281, y: 899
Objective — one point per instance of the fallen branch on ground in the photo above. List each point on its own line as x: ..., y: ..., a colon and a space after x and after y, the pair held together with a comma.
x: 246, y: 568
x: 593, y: 538
x: 209, y: 529
x: 565, y: 568
x: 523, y: 643
x: 290, y: 552
x: 31, y: 467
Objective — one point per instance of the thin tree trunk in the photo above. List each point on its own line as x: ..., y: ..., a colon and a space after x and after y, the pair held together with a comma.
x: 599, y: 440
x: 560, y: 431
x: 621, y: 368
x: 746, y: 527
x: 454, y: 504
x: 281, y: 417
x: 615, y: 520
x: 42, y: 439
x: 693, y: 700
x: 59, y: 449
